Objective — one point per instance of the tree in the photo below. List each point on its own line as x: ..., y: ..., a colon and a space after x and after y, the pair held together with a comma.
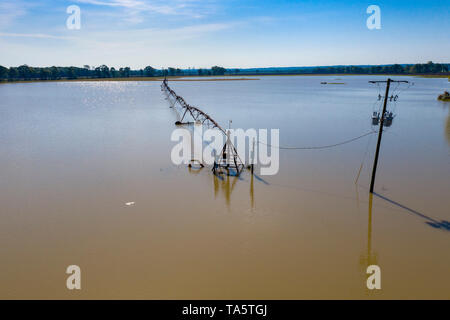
x: 396, y: 68
x: 12, y: 73
x: 218, y: 70
x: 104, y: 71
x: 417, y: 68
x: 98, y: 72
x: 3, y: 72
x: 376, y: 69
x: 171, y: 71
x: 71, y: 73
x: 113, y: 72
x: 54, y: 72
x: 25, y: 72
x: 149, y: 71
x: 45, y: 74
x: 126, y: 72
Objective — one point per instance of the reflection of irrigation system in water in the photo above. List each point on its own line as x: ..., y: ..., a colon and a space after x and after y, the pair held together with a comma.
x: 226, y: 185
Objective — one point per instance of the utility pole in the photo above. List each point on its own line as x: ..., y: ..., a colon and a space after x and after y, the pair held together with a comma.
x: 380, y: 131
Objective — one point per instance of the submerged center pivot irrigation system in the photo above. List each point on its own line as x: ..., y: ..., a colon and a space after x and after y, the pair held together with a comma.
x: 229, y: 158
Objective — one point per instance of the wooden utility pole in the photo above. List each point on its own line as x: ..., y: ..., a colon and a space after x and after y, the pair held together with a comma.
x: 380, y: 131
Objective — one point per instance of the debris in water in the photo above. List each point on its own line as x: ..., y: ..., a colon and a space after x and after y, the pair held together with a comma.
x: 445, y: 96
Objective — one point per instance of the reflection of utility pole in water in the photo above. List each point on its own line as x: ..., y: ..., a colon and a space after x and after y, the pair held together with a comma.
x: 370, y: 258
x: 252, y: 196
x: 216, y: 185
x: 252, y: 164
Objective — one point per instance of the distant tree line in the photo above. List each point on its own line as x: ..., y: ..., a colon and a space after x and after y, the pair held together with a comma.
x: 426, y: 68
x: 26, y: 72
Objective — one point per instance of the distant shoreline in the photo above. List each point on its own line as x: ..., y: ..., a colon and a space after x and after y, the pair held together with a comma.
x: 175, y: 78
x: 223, y: 77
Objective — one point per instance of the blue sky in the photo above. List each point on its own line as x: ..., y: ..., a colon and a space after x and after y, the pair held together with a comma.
x: 230, y: 33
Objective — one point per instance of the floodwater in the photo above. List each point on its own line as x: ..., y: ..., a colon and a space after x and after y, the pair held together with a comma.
x: 86, y: 179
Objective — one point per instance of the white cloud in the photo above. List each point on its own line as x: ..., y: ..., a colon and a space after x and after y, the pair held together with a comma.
x: 142, y: 40
x: 33, y: 35
x: 10, y: 11
x: 162, y: 7
x: 114, y: 3
x: 136, y: 48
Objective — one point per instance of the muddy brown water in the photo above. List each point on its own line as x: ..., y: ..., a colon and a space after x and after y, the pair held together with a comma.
x: 73, y: 154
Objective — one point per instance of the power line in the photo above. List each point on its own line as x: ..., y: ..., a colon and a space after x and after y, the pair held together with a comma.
x: 320, y: 147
